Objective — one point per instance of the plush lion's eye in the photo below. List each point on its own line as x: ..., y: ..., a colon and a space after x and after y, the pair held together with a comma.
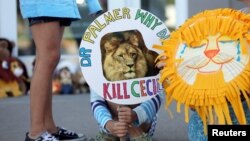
x: 199, y: 46
x: 226, y: 41
x: 14, y: 65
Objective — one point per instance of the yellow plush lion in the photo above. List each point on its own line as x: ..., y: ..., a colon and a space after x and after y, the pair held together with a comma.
x: 207, y: 66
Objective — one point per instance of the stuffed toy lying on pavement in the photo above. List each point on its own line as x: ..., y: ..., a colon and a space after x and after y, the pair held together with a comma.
x: 65, y: 77
x: 14, y: 80
x: 68, y: 79
x: 80, y: 84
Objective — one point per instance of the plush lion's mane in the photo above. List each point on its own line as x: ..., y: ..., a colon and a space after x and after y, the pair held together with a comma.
x: 209, y: 102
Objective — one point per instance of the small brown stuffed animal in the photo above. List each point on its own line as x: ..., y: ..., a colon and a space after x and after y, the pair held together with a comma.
x: 79, y: 83
x: 14, y: 80
x: 65, y: 77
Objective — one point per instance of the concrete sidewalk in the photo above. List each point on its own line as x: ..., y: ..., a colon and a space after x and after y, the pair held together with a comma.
x: 73, y: 112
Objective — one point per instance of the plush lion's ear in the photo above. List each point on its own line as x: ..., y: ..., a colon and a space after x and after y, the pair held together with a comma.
x: 4, y: 44
x: 7, y: 44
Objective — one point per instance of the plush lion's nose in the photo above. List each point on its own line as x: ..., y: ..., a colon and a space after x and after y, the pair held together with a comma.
x: 211, y: 53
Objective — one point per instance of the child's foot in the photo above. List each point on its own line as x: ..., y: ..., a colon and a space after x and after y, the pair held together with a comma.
x: 43, y: 137
x: 143, y: 137
x: 67, y: 135
x: 104, y: 137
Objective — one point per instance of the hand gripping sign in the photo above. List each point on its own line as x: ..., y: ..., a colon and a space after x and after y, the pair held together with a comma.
x: 207, y: 65
x: 117, y: 58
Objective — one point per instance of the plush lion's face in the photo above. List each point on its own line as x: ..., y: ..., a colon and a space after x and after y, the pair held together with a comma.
x: 124, y: 61
x: 16, y: 68
x: 212, y: 48
x: 207, y: 65
x: 211, y: 55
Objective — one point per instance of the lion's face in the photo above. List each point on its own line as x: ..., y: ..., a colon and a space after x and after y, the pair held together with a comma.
x: 213, y: 54
x: 125, y: 61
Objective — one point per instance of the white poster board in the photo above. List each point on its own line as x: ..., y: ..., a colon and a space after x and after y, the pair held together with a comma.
x: 117, y: 58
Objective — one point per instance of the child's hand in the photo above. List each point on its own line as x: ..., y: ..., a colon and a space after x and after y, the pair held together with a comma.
x: 161, y: 62
x: 117, y: 128
x: 126, y: 114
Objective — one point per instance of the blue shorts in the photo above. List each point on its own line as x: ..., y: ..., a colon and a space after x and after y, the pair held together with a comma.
x: 62, y: 21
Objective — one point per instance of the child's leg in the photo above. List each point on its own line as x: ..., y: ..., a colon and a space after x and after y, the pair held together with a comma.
x: 102, y: 136
x: 246, y: 110
x: 47, y: 37
x: 143, y: 137
x: 195, y: 129
x: 140, y: 133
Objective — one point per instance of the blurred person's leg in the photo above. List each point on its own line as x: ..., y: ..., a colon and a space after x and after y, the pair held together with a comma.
x: 140, y: 133
x: 196, y: 128
x: 47, y: 37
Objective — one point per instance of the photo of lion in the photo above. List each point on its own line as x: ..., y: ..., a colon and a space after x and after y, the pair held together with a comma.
x: 125, y: 56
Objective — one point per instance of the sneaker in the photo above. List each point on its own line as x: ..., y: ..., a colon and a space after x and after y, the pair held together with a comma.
x: 67, y: 135
x: 43, y: 137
